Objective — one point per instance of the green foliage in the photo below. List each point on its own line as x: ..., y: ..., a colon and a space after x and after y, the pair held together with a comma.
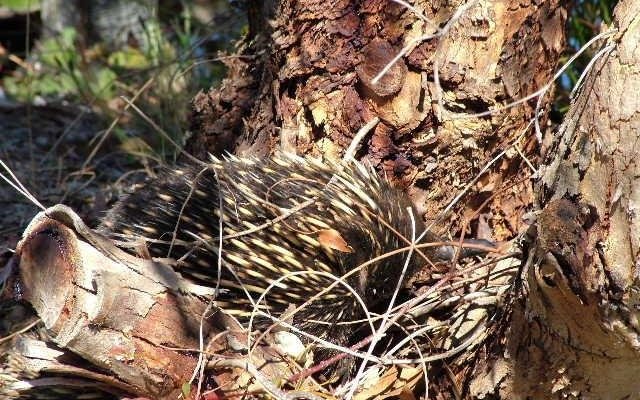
x: 21, y: 5
x: 585, y: 21
x: 173, y: 59
x: 61, y: 73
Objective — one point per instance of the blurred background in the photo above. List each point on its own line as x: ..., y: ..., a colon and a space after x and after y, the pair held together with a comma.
x: 67, y: 69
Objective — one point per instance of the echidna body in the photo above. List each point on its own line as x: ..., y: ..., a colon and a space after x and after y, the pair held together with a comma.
x: 352, y: 217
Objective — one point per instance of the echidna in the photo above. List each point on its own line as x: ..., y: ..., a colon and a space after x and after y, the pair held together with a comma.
x: 282, y: 217
x: 352, y: 217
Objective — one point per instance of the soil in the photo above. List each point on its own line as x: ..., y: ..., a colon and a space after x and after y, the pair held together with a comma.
x: 46, y: 148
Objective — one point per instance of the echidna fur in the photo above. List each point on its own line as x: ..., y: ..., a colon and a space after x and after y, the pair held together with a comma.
x: 349, y: 199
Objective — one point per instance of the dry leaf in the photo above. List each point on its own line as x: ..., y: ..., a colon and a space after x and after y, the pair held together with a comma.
x: 391, y: 386
x: 332, y: 239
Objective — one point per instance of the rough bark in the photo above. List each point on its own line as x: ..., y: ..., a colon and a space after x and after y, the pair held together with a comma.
x: 136, y: 323
x: 303, y: 85
x: 574, y: 331
x: 125, y: 317
x: 312, y: 89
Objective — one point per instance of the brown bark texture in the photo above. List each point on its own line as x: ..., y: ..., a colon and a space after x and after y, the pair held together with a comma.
x: 303, y: 84
x: 136, y: 324
x: 575, y: 325
x: 111, y: 314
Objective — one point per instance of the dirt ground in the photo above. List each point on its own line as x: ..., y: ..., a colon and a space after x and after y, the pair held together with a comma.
x: 48, y: 149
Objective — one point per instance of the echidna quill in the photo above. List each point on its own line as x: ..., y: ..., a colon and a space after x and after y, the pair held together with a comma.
x: 352, y: 217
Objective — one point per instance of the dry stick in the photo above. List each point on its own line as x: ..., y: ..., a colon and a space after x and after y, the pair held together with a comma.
x: 326, y: 363
x: 362, y: 132
x: 468, y: 297
x: 416, y: 13
x: 449, y: 353
x: 133, y: 99
x: 547, y: 85
x: 377, y: 335
x: 22, y: 330
x: 437, y: 33
x: 287, y: 316
x: 468, y: 186
x: 435, y: 303
x: 194, y: 350
x: 77, y: 119
x: 441, y: 32
x: 436, y: 357
x: 466, y: 221
x: 557, y: 75
x: 332, y: 360
x: 192, y: 189
x: 18, y: 186
x: 342, y: 279
x: 115, y: 121
x: 440, y: 356
x: 20, y: 62
x: 86, y: 183
x: 423, y: 365
x: 444, y: 303
x: 106, y: 133
x: 534, y: 170
x: 161, y: 131
x: 200, y: 364
x: 395, y: 252
x: 436, y: 63
x: 66, y: 131
x: 595, y: 58
x: 348, y: 155
x: 407, y: 306
x: 194, y: 64
x: 269, y: 386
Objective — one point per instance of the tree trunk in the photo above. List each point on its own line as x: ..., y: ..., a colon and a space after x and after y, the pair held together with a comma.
x: 575, y: 326
x: 304, y: 85
x: 572, y: 331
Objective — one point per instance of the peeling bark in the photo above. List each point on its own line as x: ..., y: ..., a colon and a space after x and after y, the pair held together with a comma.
x: 311, y: 91
x: 574, y: 330
x: 124, y: 317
